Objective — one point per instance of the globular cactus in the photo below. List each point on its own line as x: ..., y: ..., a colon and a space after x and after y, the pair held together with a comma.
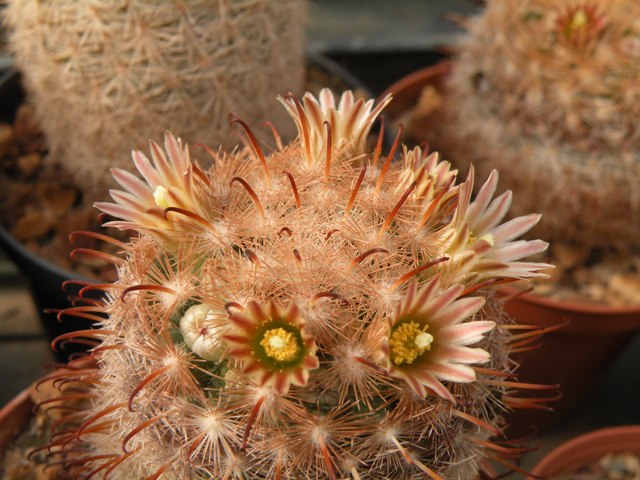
x: 318, y: 312
x: 548, y: 92
x: 105, y: 76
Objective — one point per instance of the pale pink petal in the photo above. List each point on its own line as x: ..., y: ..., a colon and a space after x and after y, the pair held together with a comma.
x: 465, y: 333
x: 527, y: 269
x: 461, y: 354
x: 424, y: 294
x: 352, y: 116
x: 376, y: 111
x: 120, y: 225
x: 327, y: 100
x: 133, y: 184
x: 346, y: 101
x: 145, y: 168
x: 482, y: 200
x: 514, y: 228
x: 437, y: 304
x: 127, y: 199
x: 280, y: 382
x: 118, y: 211
x: 487, y: 265
x: 418, y: 384
x: 464, y: 197
x: 430, y: 381
x: 301, y: 376
x: 407, y: 305
x: 456, y: 312
x: 494, y: 214
x: 463, y: 262
x: 162, y: 165
x: 313, y: 110
x: 367, y: 120
x: 440, y: 169
x: 520, y: 249
x: 452, y: 373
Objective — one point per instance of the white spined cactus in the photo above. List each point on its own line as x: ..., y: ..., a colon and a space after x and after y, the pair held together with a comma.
x: 104, y: 77
x: 548, y: 93
x: 316, y: 312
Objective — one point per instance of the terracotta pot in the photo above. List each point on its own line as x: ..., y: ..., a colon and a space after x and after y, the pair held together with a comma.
x: 407, y: 90
x: 588, y: 448
x: 575, y: 356
x: 14, y: 416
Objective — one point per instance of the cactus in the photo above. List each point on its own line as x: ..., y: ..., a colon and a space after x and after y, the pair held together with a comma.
x: 554, y: 88
x: 316, y: 312
x: 104, y: 77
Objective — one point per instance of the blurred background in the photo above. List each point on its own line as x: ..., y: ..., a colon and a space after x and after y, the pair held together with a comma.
x: 379, y: 41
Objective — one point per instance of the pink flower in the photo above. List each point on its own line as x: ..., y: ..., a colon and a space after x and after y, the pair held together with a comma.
x: 350, y: 122
x: 272, y: 345
x: 480, y: 246
x: 169, y: 181
x: 428, y: 339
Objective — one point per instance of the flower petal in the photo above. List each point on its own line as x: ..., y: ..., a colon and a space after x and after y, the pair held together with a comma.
x: 466, y: 355
x: 465, y: 333
x: 514, y: 228
x: 498, y: 208
x: 520, y: 249
x: 456, y: 312
x: 452, y: 372
x: 476, y: 210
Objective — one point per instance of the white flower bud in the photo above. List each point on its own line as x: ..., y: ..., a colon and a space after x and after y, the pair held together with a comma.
x: 201, y: 332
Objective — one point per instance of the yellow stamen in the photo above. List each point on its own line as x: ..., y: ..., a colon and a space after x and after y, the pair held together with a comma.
x: 579, y: 20
x: 408, y: 342
x: 160, y: 196
x: 488, y: 238
x: 279, y: 344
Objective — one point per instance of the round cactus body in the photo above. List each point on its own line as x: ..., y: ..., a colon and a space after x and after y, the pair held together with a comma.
x: 105, y: 76
x: 317, y: 312
x: 548, y: 92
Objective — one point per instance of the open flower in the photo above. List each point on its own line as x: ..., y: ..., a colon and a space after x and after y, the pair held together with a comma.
x: 477, y: 238
x: 272, y: 345
x: 428, y: 339
x: 581, y: 25
x: 169, y: 180
x: 350, y: 122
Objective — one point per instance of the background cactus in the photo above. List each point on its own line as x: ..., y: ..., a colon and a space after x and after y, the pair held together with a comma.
x: 318, y: 312
x: 548, y: 92
x: 97, y: 72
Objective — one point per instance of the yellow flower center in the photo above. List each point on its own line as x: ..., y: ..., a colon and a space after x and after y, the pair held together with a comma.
x: 279, y: 344
x: 488, y: 238
x: 408, y: 342
x: 579, y: 20
x: 160, y: 196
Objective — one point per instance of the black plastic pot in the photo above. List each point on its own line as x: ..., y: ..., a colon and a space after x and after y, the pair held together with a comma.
x: 44, y: 277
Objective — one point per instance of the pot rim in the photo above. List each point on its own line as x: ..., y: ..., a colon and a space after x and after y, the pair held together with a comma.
x: 14, y: 415
x: 566, y: 305
x: 9, y: 243
x: 588, y: 447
